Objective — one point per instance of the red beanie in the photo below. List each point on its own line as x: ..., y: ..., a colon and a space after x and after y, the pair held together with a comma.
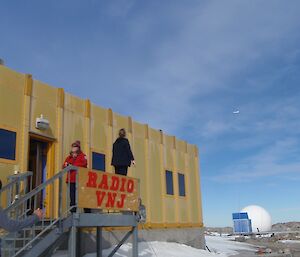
x: 76, y: 144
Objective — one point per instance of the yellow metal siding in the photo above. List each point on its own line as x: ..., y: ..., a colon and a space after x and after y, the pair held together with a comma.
x: 23, y: 99
x: 193, y: 185
x: 183, y: 207
x: 118, y: 123
x: 11, y: 106
x: 11, y: 91
x: 73, y: 124
x: 139, y: 145
x: 199, y: 197
x: 156, y: 206
x: 99, y: 128
x: 43, y: 102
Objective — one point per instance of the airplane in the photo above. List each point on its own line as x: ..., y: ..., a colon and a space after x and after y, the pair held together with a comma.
x: 236, y: 112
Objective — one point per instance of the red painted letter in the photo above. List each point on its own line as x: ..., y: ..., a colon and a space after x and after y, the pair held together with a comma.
x: 92, y: 182
x: 120, y: 203
x: 103, y: 184
x: 122, y: 189
x: 115, y: 181
x: 100, y: 197
x: 130, y: 186
x: 111, y: 197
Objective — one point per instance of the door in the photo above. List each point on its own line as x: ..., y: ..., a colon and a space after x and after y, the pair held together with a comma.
x: 38, y: 151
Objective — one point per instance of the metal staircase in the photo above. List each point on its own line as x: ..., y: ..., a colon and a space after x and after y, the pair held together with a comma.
x: 35, y: 240
x: 58, y: 224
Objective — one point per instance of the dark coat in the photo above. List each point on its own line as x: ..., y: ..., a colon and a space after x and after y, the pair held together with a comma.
x: 122, y: 155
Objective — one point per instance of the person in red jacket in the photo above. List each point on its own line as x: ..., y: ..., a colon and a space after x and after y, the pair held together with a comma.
x: 76, y: 158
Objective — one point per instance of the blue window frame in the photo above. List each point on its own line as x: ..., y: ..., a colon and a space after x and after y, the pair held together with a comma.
x: 169, y: 182
x: 98, y: 161
x: 8, y: 144
x: 181, y: 184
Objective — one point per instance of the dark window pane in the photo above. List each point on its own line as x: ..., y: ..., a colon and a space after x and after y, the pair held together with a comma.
x: 169, y: 182
x: 7, y: 144
x: 98, y: 161
x: 181, y: 184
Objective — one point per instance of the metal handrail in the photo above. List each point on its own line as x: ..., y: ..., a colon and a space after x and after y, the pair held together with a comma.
x: 15, y: 178
x: 13, y: 186
x: 20, y: 207
x: 20, y: 175
x: 27, y: 241
x: 40, y: 187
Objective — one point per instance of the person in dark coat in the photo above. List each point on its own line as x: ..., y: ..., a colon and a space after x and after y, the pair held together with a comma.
x: 122, y: 157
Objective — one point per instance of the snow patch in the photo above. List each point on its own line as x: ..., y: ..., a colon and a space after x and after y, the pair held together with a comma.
x: 290, y: 241
x: 226, y: 245
x: 219, y: 246
x: 159, y: 249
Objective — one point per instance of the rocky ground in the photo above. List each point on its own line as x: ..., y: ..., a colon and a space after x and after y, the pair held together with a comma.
x: 278, y: 227
x: 285, y: 242
x: 288, y: 226
x: 278, y: 249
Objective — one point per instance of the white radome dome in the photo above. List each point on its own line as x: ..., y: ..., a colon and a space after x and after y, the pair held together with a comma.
x: 260, y: 219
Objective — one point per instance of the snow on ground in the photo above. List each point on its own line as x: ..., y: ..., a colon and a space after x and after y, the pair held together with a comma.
x: 159, y: 249
x: 220, y: 247
x: 290, y: 241
x: 226, y: 245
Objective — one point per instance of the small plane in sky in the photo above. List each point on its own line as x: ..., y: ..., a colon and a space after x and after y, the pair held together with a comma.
x: 236, y: 112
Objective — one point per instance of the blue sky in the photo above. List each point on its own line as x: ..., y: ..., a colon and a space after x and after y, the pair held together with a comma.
x: 182, y: 66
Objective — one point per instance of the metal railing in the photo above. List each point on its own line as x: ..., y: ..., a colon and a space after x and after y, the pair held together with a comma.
x: 17, y: 186
x: 53, y: 197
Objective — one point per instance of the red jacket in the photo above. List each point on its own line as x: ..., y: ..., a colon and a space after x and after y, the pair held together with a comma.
x: 79, y: 161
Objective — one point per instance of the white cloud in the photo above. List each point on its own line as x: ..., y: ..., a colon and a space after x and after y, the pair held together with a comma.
x: 280, y: 158
x: 213, y: 43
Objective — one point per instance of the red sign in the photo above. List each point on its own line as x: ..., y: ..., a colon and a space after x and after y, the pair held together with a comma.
x: 102, y: 190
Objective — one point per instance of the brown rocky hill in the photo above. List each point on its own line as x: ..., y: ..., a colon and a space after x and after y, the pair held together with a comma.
x: 286, y: 226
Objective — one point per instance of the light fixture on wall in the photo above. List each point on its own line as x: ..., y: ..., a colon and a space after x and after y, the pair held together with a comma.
x: 42, y: 123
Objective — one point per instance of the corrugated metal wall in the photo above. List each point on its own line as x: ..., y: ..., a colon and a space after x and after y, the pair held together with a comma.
x: 23, y: 99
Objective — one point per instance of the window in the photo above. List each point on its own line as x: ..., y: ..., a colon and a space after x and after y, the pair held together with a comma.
x: 169, y: 182
x: 98, y: 161
x: 8, y: 144
x: 181, y: 184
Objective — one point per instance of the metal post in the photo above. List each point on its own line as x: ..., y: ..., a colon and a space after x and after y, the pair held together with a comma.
x: 73, y: 237
x: 117, y: 247
x: 60, y: 188
x: 68, y: 194
x: 135, y: 252
x: 72, y: 242
x: 76, y: 190
x: 78, y: 241
x: 99, y: 241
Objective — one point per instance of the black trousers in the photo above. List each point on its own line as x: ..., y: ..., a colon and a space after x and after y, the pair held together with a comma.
x: 121, y: 170
x: 73, y: 198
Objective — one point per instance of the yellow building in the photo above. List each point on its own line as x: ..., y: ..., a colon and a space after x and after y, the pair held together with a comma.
x: 168, y: 168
